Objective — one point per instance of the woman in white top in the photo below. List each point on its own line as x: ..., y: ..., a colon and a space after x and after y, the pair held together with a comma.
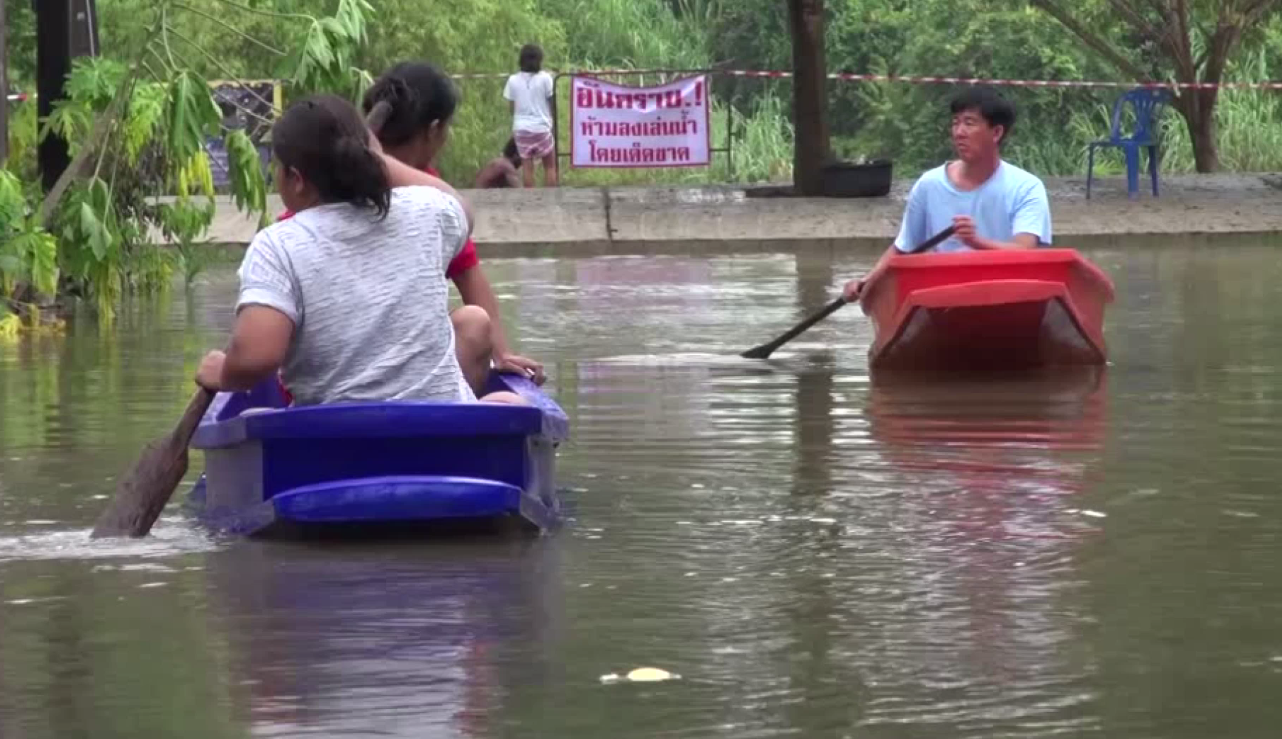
x: 529, y: 93
x: 347, y: 299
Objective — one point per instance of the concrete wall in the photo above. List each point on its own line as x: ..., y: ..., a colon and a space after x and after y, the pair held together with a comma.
x: 583, y: 221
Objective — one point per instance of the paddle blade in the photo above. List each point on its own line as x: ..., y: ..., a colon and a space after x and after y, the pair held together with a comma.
x: 144, y: 491
x: 760, y: 352
x: 765, y: 350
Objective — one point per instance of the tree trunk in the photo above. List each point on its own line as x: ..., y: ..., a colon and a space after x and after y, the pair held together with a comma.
x: 1197, y: 106
x: 1198, y: 110
x: 4, y: 91
x: 1206, y: 147
x: 806, y: 19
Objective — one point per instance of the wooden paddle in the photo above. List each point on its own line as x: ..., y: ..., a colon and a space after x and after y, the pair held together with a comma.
x: 765, y: 350
x: 143, y: 492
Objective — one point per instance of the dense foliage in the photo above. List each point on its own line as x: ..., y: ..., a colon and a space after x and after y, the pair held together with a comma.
x: 160, y: 56
x: 138, y: 125
x: 986, y: 38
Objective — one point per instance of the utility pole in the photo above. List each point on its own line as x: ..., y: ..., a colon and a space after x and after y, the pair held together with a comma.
x: 4, y: 89
x: 809, y: 101
x: 64, y: 28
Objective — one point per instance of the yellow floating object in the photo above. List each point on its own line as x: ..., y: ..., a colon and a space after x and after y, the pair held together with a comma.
x: 650, y: 675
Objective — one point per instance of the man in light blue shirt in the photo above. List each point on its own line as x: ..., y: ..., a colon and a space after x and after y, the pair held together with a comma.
x: 992, y: 203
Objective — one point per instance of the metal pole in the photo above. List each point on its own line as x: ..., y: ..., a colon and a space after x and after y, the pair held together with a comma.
x: 556, y: 128
x: 729, y: 134
x: 84, y: 28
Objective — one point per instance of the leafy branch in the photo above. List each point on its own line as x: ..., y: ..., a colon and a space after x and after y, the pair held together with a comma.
x: 1176, y: 43
x: 223, y: 68
x: 145, y: 125
x: 268, y: 13
x: 230, y: 27
x: 1092, y: 40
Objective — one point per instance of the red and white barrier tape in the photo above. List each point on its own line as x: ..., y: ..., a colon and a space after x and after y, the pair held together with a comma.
x: 851, y: 77
x: 910, y: 79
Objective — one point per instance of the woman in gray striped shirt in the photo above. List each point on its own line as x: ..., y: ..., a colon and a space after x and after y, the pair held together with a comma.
x: 348, y: 299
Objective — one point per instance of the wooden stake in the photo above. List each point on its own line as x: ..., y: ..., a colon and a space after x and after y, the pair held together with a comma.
x: 810, y: 103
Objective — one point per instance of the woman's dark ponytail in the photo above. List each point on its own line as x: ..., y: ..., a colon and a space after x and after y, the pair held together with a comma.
x: 406, y: 100
x: 360, y: 176
x: 324, y: 139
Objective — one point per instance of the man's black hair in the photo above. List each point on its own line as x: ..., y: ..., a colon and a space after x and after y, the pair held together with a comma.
x: 991, y: 106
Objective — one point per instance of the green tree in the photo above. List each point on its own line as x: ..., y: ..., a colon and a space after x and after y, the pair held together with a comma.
x: 962, y: 38
x: 457, y: 35
x: 139, y: 122
x: 1186, y: 41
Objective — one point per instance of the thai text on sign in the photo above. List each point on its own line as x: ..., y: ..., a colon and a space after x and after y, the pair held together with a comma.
x: 619, y: 126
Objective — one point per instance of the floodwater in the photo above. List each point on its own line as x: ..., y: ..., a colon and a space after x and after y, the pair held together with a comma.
x: 814, y: 553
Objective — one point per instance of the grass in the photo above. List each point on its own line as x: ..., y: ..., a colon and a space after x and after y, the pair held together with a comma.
x: 761, y: 147
x: 1250, y: 140
x: 1249, y: 134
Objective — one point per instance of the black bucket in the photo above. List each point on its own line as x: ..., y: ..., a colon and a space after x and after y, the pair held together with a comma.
x: 850, y: 180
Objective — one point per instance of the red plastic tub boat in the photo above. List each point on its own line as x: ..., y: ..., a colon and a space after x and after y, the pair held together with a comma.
x: 985, y: 310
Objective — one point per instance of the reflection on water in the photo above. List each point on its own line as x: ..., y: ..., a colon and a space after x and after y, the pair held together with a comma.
x: 396, y: 640
x: 817, y: 551
x: 996, y: 464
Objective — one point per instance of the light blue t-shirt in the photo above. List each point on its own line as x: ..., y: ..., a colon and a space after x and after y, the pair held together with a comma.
x: 1012, y: 201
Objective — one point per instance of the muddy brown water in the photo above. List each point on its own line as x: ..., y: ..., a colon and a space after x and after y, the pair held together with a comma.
x: 815, y: 553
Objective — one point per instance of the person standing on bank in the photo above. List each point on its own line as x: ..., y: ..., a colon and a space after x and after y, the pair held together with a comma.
x: 992, y: 203
x: 529, y: 95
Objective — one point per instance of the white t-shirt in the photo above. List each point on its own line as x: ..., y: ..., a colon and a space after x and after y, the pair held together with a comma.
x: 532, y: 94
x: 368, y: 298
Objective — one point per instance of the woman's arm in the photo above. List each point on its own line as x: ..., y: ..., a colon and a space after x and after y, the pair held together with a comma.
x: 855, y: 287
x: 257, y: 350
x: 400, y: 174
x: 474, y: 287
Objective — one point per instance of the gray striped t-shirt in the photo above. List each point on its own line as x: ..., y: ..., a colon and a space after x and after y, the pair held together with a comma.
x: 368, y: 298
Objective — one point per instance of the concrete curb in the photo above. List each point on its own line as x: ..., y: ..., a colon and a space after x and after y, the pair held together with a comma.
x: 724, y: 219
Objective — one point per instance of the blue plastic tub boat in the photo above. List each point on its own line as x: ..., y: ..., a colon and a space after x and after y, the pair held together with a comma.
x: 271, y: 468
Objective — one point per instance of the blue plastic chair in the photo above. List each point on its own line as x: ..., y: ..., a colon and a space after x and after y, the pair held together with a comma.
x: 1147, y: 104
